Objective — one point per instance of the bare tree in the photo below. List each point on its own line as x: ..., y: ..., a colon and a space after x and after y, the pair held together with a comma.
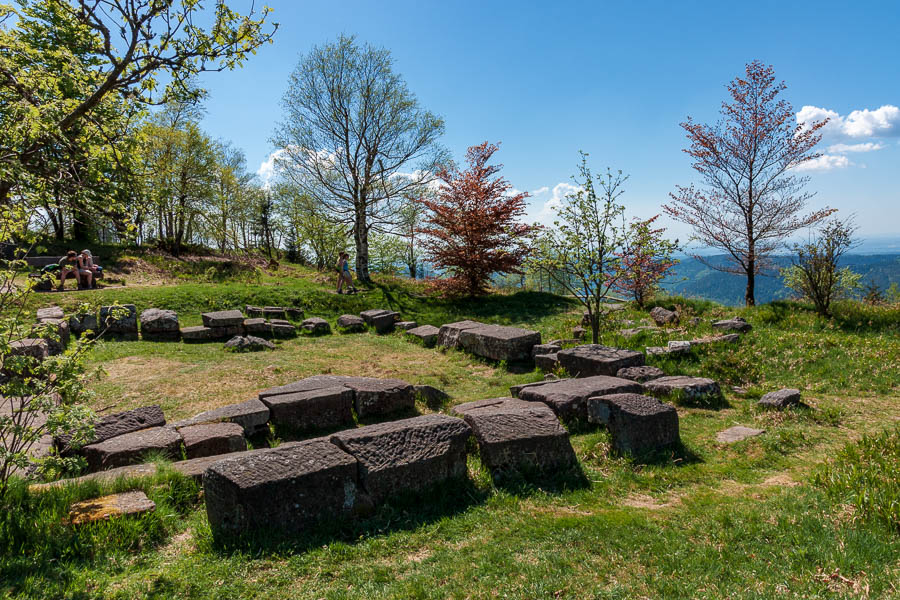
x: 355, y: 139
x: 752, y: 200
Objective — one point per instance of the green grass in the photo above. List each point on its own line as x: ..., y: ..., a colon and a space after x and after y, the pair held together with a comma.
x: 801, y: 511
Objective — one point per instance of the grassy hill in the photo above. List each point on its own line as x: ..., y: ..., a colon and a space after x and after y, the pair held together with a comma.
x: 807, y: 509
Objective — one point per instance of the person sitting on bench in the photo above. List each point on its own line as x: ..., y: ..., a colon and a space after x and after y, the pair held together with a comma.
x: 72, y: 265
x: 87, y: 260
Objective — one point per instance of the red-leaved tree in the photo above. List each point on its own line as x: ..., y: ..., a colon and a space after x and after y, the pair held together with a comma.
x: 646, y: 261
x: 751, y: 200
x: 472, y: 228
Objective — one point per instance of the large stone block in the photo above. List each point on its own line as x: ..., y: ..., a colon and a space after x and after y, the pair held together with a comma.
x: 351, y: 324
x: 515, y: 435
x: 406, y: 325
x: 661, y: 316
x: 637, y: 424
x: 369, y: 315
x: 593, y: 359
x: 385, y: 323
x: 56, y: 334
x: 736, y: 324
x: 159, y: 324
x: 252, y: 415
x: 545, y: 349
x: 691, y: 389
x: 546, y: 362
x: 289, y: 488
x: 108, y: 507
x: 407, y: 455
x: 640, y: 374
x: 81, y: 322
x: 50, y: 312
x: 119, y: 320
x: 133, y: 448
x: 371, y: 396
x: 129, y: 421
x: 211, y: 439
x: 427, y: 334
x: 448, y: 335
x: 568, y: 397
x: 315, y: 326
x: 197, y: 333
x: 223, y: 318
x: 498, y: 342
x: 324, y: 408
x: 257, y: 326
x: 781, y: 399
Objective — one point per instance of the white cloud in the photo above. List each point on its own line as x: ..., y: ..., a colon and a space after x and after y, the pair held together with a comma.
x: 864, y: 147
x: 826, y: 162
x: 266, y: 170
x: 544, y: 213
x: 881, y: 122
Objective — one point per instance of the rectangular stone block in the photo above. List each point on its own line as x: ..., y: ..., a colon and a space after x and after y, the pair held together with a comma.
x: 637, y: 424
x: 427, y: 334
x: 211, y: 439
x: 448, y: 334
x: 498, y: 342
x: 126, y: 325
x: 407, y: 455
x: 223, y: 318
x: 568, y: 397
x: 133, y: 448
x: 288, y: 488
x: 593, y: 359
x: 325, y: 408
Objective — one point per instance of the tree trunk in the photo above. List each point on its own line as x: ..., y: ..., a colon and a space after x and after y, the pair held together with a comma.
x: 749, y: 296
x: 361, y: 237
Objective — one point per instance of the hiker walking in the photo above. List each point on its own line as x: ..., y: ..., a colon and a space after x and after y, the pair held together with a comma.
x: 344, y: 275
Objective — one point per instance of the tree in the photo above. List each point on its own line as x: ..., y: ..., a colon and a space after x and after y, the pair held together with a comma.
x: 411, y: 214
x: 815, y: 273
x: 584, y: 250
x: 65, y: 60
x: 473, y: 229
x: 646, y: 261
x: 309, y: 228
x: 351, y: 127
x: 751, y: 201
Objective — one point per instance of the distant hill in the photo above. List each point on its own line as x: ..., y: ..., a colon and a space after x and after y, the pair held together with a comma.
x: 692, y: 278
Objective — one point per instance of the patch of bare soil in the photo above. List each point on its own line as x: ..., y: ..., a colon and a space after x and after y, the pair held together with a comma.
x: 649, y: 502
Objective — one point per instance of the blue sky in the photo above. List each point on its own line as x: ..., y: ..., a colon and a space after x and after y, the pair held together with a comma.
x: 548, y: 79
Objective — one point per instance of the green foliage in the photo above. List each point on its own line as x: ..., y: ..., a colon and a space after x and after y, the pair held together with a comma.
x: 864, y: 475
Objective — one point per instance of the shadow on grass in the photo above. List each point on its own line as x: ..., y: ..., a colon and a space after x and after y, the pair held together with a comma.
x: 526, y: 481
x: 677, y: 455
x: 404, y: 512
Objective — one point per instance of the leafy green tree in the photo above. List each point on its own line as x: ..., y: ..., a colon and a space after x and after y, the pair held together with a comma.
x: 72, y: 69
x: 309, y: 228
x: 815, y: 273
x: 355, y: 139
x: 583, y: 250
x: 646, y: 261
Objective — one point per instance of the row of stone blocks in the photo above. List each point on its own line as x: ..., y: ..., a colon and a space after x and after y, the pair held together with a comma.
x: 297, y: 485
x: 225, y: 324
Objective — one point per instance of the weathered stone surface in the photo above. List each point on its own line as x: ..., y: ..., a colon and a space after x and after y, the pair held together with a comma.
x: 729, y: 338
x: 430, y: 394
x: 780, y: 399
x: 427, y: 334
x: 107, y: 507
x: 497, y: 342
x: 351, y: 324
x: 685, y: 388
x: 125, y: 325
x: 637, y: 423
x: 629, y: 333
x: 385, y: 323
x: 133, y: 447
x: 248, y: 343
x: 737, y: 434
x: 370, y: 396
x: 593, y: 359
x: 129, y: 421
x: 515, y: 389
x: 661, y: 316
x: 315, y: 326
x: 406, y: 325
x: 407, y: 455
x: 545, y: 349
x: 324, y: 408
x: 547, y: 362
x: 252, y: 415
x: 514, y: 435
x: 223, y: 318
x: 567, y: 397
x: 197, y: 333
x: 280, y: 322
x: 50, y: 312
x: 274, y: 312
x: 294, y: 313
x: 253, y: 311
x: 448, y: 335
x: 56, y: 334
x: 289, y: 488
x: 677, y: 346
x: 25, y: 414
x: 82, y: 322
x: 283, y: 330
x: 159, y: 324
x: 368, y: 315
x: 210, y: 439
x: 257, y: 326
x: 640, y: 374
x: 735, y: 324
